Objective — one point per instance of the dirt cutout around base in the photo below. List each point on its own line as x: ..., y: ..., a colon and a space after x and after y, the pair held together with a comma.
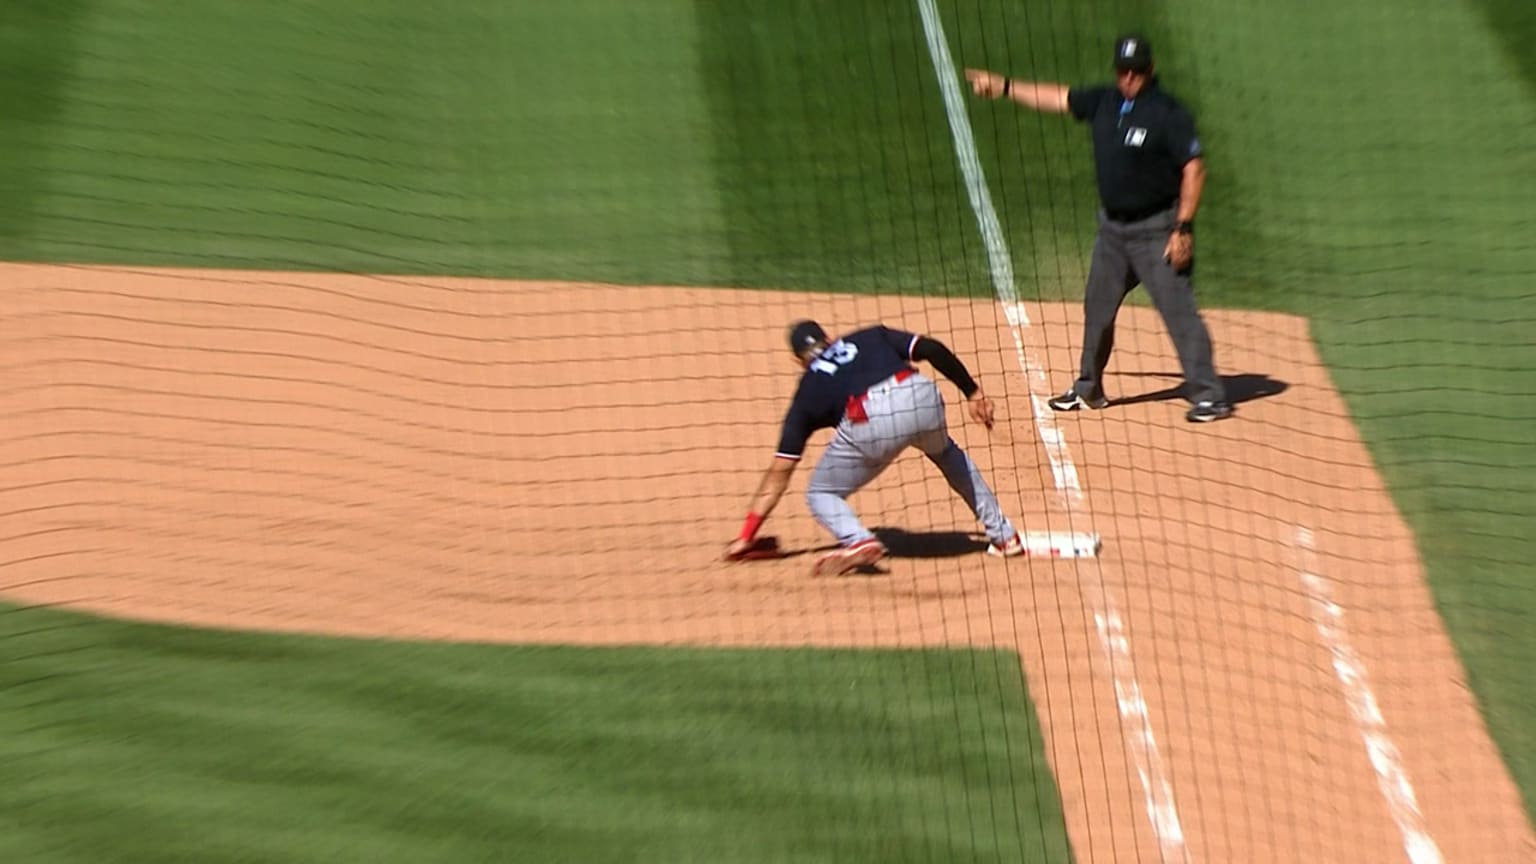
x: 1251, y: 671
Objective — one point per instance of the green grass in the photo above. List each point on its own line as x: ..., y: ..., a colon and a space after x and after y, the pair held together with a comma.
x: 833, y: 157
x: 1388, y: 202
x: 382, y: 137
x: 128, y: 742
x: 1513, y: 22
x: 1370, y: 169
x: 1393, y: 207
x: 569, y: 140
x: 837, y: 161
x: 792, y: 145
x: 36, y: 48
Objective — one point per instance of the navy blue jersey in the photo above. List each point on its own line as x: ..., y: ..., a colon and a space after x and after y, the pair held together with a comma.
x: 849, y: 366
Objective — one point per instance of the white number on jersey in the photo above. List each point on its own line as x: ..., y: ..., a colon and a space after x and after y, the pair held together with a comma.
x: 839, y: 354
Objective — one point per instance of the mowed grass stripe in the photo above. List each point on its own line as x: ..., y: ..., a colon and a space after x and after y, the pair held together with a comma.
x: 133, y: 742
x: 376, y: 137
x: 1391, y: 209
x: 1368, y: 171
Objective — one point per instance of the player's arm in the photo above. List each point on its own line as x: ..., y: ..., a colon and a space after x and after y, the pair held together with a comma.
x: 944, y: 360
x: 1042, y: 96
x: 792, y: 439
x: 769, y: 490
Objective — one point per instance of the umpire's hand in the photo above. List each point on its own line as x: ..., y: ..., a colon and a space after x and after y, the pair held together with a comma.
x: 1179, y: 251
x: 986, y: 84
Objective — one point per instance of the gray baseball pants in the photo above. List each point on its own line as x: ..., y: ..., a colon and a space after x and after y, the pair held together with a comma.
x: 1127, y: 253
x: 903, y: 414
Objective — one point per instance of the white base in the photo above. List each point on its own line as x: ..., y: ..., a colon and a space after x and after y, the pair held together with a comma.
x: 1060, y: 544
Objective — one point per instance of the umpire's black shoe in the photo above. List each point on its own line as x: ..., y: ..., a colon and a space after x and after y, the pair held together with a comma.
x: 1073, y: 401
x: 1205, y: 412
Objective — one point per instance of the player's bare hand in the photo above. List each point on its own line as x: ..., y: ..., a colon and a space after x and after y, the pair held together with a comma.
x: 984, y: 83
x: 1179, y: 251
x: 737, y: 548
x: 980, y: 408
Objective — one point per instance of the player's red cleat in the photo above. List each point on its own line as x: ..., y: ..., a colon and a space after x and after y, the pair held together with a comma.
x: 1013, y: 547
x: 840, y: 561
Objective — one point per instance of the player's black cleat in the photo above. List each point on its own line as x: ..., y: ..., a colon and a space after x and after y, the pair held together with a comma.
x: 1205, y: 412
x: 1073, y: 401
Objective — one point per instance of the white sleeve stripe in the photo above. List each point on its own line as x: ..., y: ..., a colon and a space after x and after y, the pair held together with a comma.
x: 795, y: 457
x: 912, y: 346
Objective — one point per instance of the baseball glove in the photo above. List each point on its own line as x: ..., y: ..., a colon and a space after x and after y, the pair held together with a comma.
x: 761, y: 548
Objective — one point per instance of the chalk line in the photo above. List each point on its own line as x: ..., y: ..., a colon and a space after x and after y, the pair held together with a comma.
x: 1161, y: 807
x: 1386, y: 761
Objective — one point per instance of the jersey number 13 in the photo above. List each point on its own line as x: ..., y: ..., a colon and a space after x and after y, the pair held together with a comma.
x: 840, y: 354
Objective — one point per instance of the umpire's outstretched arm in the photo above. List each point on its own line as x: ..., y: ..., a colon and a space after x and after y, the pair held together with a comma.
x: 1042, y: 96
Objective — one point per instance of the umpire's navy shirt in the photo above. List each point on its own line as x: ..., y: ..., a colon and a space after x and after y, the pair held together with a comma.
x: 1140, y: 146
x: 849, y: 366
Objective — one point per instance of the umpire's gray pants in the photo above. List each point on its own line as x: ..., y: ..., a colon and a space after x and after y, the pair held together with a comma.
x: 903, y: 414
x: 1125, y: 253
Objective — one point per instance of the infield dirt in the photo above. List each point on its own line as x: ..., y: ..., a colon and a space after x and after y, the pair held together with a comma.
x: 547, y: 462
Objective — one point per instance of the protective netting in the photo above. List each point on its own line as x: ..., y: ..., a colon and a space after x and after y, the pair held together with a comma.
x: 469, y: 325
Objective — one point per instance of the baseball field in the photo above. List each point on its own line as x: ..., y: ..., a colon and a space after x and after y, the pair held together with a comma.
x: 380, y: 385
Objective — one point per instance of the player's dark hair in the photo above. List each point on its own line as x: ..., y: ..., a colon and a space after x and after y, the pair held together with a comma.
x: 804, y: 335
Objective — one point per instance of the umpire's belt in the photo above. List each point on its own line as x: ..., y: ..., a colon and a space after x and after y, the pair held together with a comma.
x: 854, y: 410
x: 1136, y: 215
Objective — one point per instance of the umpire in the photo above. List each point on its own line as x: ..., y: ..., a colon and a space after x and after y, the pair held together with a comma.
x: 1150, y: 173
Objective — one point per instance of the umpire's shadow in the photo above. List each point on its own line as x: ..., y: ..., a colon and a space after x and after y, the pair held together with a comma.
x: 929, y: 544
x: 1241, y: 388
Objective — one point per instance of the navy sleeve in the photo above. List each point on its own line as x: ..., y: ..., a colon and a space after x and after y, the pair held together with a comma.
x: 1183, y: 143
x: 796, y: 430
x: 947, y: 363
x: 1083, y: 101
x: 901, y: 340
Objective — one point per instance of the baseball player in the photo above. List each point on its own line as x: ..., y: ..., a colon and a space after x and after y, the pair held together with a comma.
x: 864, y: 385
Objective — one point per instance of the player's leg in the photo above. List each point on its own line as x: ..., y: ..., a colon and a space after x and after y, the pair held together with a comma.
x: 841, y: 471
x: 931, y: 436
x: 1173, y: 294
x: 965, y: 478
x: 1110, y: 278
x: 860, y: 452
x: 845, y: 467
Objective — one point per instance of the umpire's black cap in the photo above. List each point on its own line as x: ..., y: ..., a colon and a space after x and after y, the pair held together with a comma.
x: 1133, y: 52
x: 804, y: 334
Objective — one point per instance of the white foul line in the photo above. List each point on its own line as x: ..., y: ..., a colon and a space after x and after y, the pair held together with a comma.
x: 1001, y: 266
x: 1128, y: 700
x: 1391, y: 776
x: 1157, y: 791
x: 1063, y: 472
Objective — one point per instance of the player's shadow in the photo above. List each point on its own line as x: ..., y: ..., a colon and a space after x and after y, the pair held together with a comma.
x: 929, y: 544
x: 907, y: 544
x: 1244, y: 387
